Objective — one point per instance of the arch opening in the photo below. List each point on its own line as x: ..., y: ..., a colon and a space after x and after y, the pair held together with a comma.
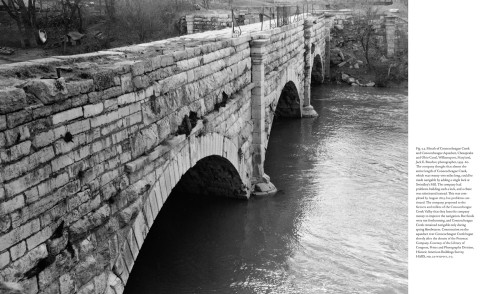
x: 200, y: 195
x: 317, y: 71
x: 212, y: 176
x: 289, y: 102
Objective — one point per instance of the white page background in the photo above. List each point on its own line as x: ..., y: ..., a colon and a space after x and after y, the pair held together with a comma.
x: 454, y: 94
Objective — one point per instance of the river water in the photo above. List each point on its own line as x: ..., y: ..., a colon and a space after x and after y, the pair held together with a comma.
x: 337, y: 225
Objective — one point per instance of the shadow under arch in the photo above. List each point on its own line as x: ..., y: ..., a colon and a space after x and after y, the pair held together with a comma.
x: 204, y: 189
x: 317, y: 76
x: 211, y: 176
x: 289, y: 102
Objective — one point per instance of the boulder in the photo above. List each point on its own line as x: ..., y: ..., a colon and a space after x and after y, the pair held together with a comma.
x: 370, y: 84
x: 383, y: 59
x: 345, y: 77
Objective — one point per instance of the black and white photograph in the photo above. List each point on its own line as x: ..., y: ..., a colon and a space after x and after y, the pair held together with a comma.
x: 253, y: 147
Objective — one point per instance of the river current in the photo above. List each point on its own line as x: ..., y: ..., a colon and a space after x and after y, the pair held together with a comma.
x: 337, y: 225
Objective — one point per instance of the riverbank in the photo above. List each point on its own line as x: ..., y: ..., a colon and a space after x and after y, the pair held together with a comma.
x: 364, y: 77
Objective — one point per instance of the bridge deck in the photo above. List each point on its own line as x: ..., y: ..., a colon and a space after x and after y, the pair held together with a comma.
x: 192, y: 40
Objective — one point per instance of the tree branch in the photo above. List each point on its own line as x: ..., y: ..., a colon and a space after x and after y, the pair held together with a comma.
x: 9, y: 10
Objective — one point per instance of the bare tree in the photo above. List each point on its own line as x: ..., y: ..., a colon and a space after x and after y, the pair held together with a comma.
x: 365, y: 28
x: 144, y: 17
x: 24, y: 14
x: 110, y: 9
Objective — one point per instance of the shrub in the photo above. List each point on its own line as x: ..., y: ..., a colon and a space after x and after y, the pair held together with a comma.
x: 142, y: 17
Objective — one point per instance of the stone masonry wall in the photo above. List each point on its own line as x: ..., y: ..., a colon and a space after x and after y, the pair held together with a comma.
x: 80, y: 153
x: 284, y: 63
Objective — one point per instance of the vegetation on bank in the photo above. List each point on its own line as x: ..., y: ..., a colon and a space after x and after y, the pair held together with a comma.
x: 359, y: 54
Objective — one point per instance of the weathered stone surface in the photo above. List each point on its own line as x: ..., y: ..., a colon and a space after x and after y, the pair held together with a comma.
x: 11, y: 288
x: 67, y: 115
x: 94, y: 109
x: 144, y: 140
x: 24, y: 264
x: 4, y: 259
x: 17, y: 250
x: 48, y: 91
x: 5, y: 223
x: 12, y: 99
x: 18, y: 234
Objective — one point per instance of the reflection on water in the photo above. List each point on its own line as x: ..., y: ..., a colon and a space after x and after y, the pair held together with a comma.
x: 337, y: 225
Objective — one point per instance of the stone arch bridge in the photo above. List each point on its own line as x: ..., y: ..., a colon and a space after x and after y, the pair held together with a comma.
x: 92, y: 145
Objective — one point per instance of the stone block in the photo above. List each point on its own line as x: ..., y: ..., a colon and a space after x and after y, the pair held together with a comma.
x: 79, y: 87
x: 78, y: 199
x: 18, y: 118
x: 87, y: 288
x: 92, y: 110
x: 100, y: 283
x: 144, y: 140
x: 19, y: 234
x: 27, y: 181
x: 4, y: 259
x: 61, y: 146
x: 28, y: 163
x: 138, y: 68
x: 17, y: 250
x: 12, y: 204
x: 52, y: 184
x: 103, y: 79
x: 3, y: 122
x: 61, y: 162
x: 12, y: 99
x: 16, y: 135
x: 78, y: 127
x: 179, y: 55
x: 153, y: 203
x: 66, y: 284
x: 120, y: 267
x: 140, y: 82
x: 82, y: 210
x: 67, y: 115
x: 104, y: 119
x: 132, y: 244
x: 39, y: 237
x: 16, y: 152
x: 127, y: 98
x: 167, y: 60
x: 90, y: 221
x: 48, y: 91
x: 44, y: 139
x: 148, y: 212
